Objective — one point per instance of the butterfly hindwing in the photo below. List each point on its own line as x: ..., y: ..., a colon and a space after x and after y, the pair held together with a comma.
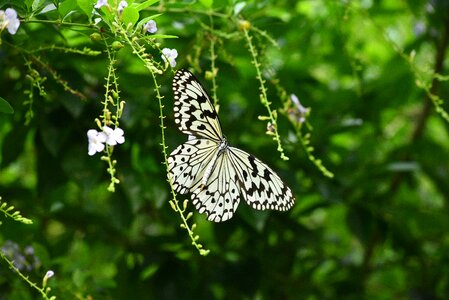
x: 188, y: 162
x: 194, y: 112
x: 221, y: 196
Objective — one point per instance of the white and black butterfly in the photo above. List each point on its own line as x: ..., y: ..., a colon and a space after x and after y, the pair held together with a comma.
x: 214, y: 172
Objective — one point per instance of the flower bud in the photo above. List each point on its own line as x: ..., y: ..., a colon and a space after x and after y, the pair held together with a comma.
x: 116, y: 45
x: 95, y: 37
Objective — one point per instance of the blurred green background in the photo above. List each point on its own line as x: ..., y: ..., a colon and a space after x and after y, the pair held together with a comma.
x: 368, y: 70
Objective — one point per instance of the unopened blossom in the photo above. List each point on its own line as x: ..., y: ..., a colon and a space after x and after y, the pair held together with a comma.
x: 170, y: 55
x: 101, y: 3
x: 9, y: 20
x: 150, y: 26
x: 96, y: 141
x: 121, y: 6
x: 114, y: 136
x: 49, y: 274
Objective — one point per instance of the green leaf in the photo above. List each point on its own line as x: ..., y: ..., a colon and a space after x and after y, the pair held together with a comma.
x: 87, y: 6
x: 207, y: 3
x: 145, y: 4
x: 149, y: 271
x: 67, y: 7
x: 130, y: 15
x: 5, y: 107
x: 28, y: 3
x: 37, y: 5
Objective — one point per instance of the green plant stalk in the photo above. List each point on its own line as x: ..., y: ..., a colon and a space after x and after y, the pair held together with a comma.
x: 57, y: 77
x: 25, y: 278
x: 213, y: 68
x: 16, y: 216
x: 85, y: 51
x: 263, y: 93
x: 141, y: 55
x: 175, y: 201
x: 305, y: 141
x: 107, y: 118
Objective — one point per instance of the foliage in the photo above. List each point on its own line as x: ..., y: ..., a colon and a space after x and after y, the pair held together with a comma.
x: 367, y: 148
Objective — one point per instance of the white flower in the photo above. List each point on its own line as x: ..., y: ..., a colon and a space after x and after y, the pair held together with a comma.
x: 121, y: 6
x: 301, y: 112
x: 96, y: 141
x: 170, y: 55
x: 150, y: 26
x: 101, y: 3
x: 114, y: 136
x: 8, y: 19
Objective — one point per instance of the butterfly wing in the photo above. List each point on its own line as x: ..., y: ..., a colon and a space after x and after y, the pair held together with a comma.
x: 188, y: 162
x: 261, y: 187
x: 220, y: 198
x: 194, y: 112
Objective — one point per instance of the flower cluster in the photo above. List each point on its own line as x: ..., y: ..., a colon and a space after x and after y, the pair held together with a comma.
x: 9, y: 20
x: 98, y: 140
x: 22, y: 260
x: 168, y: 55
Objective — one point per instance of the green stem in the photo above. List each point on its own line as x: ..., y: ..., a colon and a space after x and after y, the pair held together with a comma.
x: 139, y: 52
x: 263, y: 92
x: 59, y: 23
x: 32, y: 284
x: 213, y: 57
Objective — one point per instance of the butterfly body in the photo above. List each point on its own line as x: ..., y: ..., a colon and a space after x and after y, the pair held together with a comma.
x: 208, y: 167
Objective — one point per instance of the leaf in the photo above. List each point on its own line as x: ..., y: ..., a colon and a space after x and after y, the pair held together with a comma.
x: 149, y: 271
x: 5, y: 107
x: 87, y: 6
x: 207, y: 3
x: 28, y: 3
x: 145, y: 4
x: 130, y: 15
x: 67, y: 7
x: 238, y: 7
x: 36, y: 5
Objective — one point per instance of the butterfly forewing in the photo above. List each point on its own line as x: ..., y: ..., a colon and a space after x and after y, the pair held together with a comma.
x: 194, y: 113
x: 215, y: 173
x: 261, y: 186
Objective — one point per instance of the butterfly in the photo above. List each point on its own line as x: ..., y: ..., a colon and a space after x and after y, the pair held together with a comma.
x: 215, y: 173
